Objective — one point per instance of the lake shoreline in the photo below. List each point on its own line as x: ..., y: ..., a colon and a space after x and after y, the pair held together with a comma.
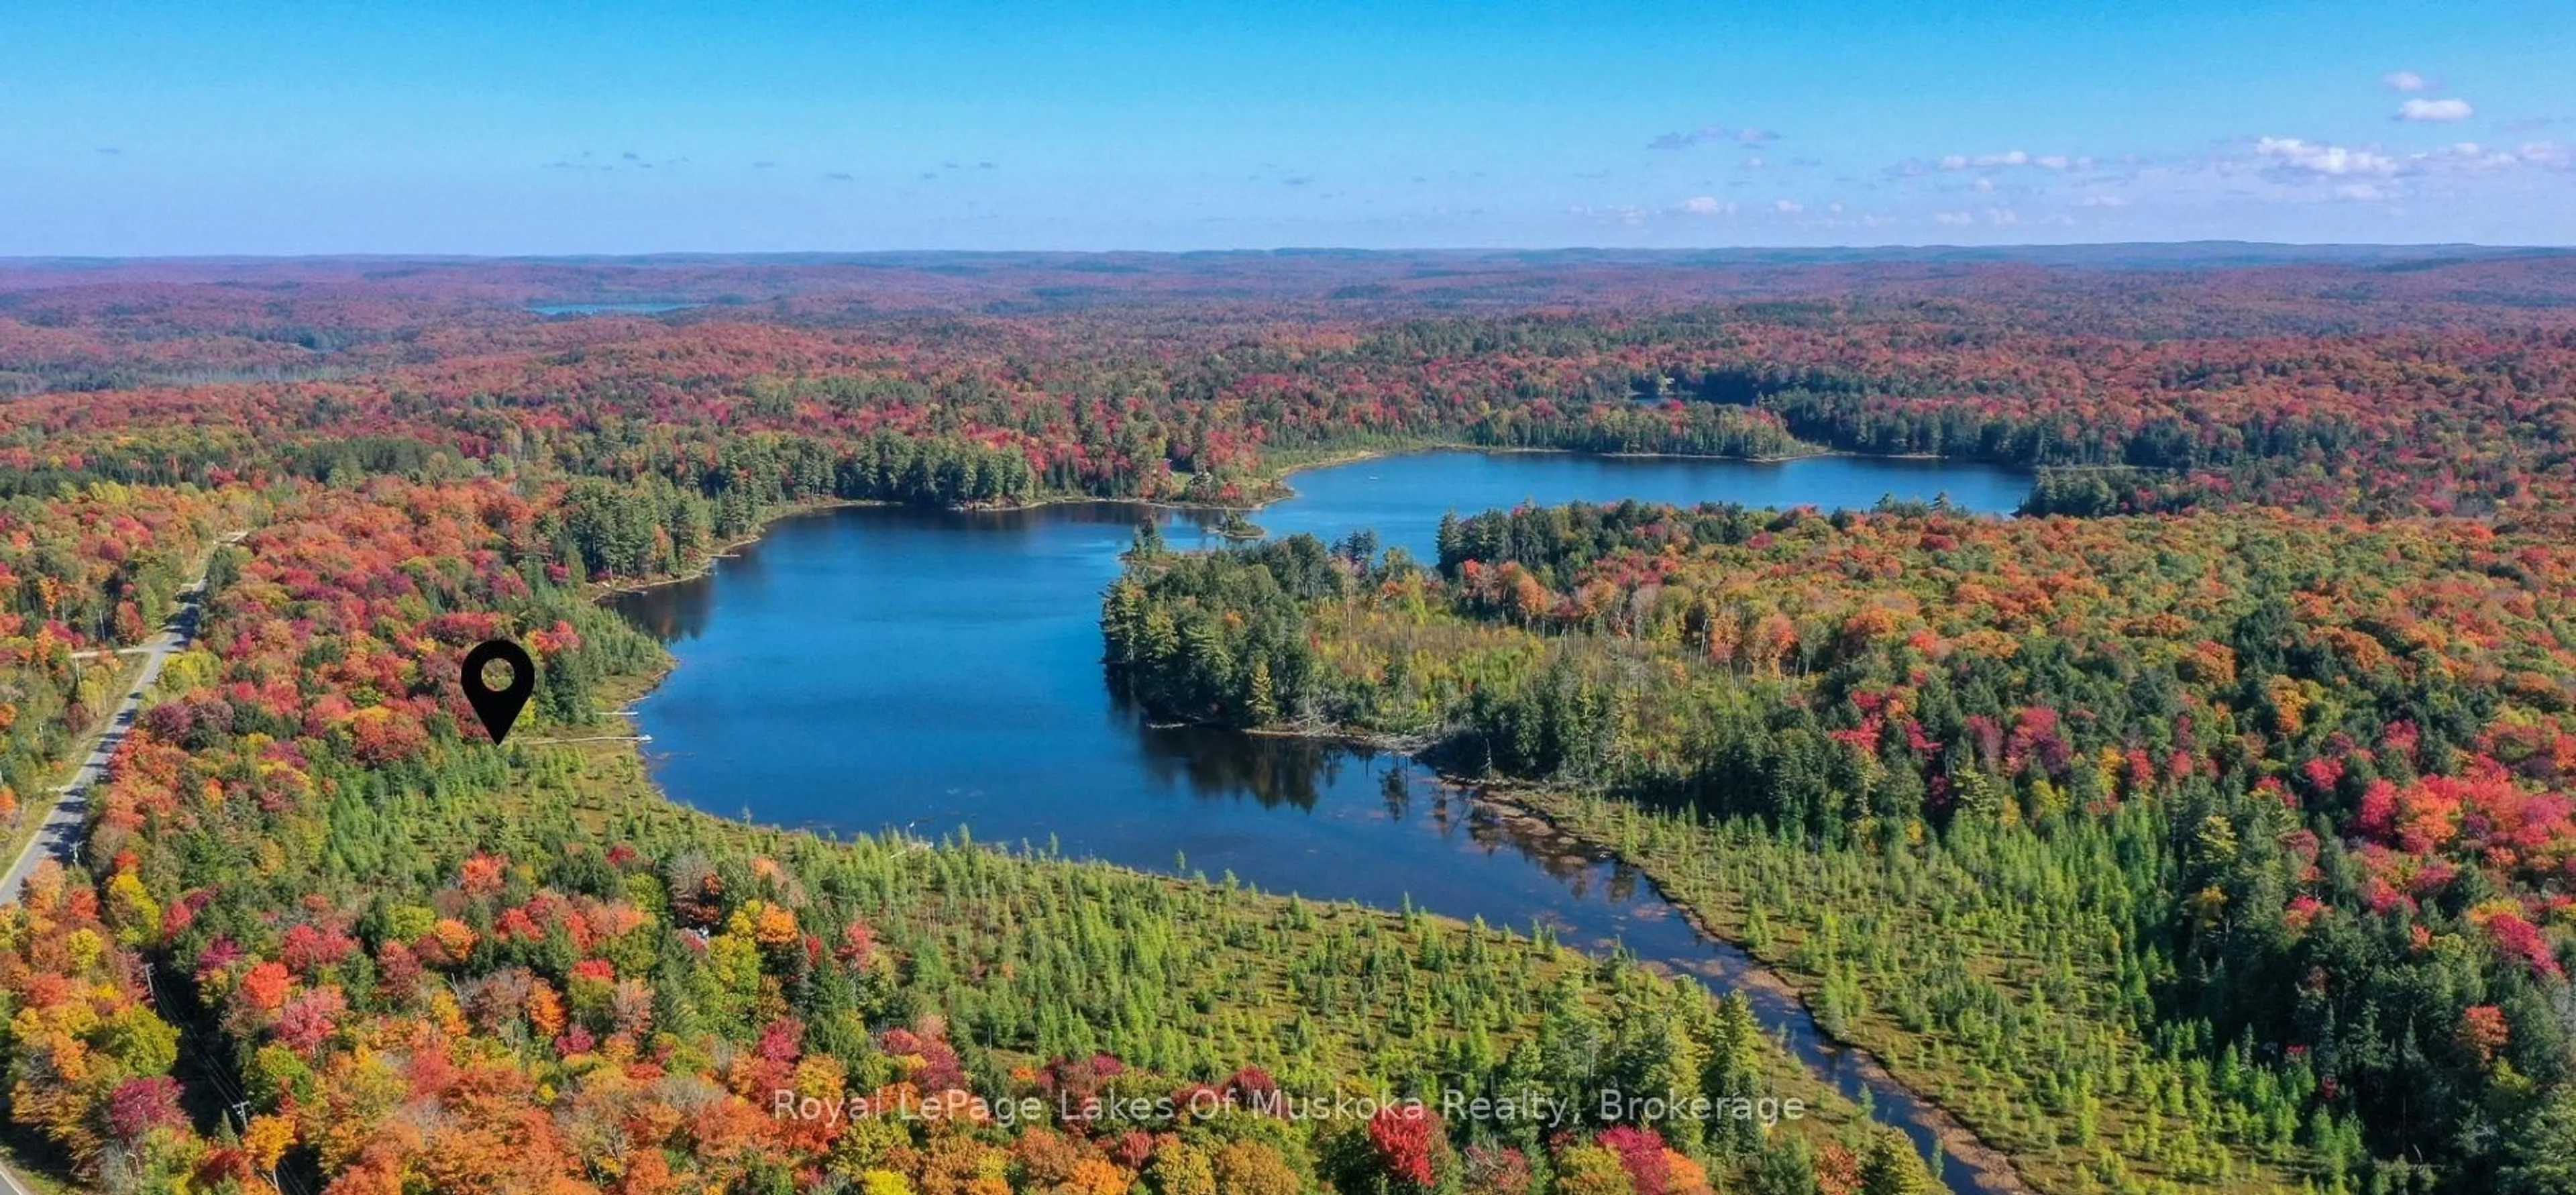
x: 1528, y: 804
x: 1994, y: 1168
x: 1981, y: 1167
x: 1287, y: 493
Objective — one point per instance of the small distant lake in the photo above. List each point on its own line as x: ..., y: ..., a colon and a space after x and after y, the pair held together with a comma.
x: 879, y: 667
x: 609, y: 308
x: 1403, y: 497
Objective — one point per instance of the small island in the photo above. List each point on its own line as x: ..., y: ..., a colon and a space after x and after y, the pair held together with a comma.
x: 1236, y: 527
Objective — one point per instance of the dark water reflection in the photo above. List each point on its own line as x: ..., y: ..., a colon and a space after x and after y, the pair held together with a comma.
x: 881, y: 668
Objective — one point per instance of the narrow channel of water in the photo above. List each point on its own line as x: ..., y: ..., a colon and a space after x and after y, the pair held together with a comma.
x: 875, y: 668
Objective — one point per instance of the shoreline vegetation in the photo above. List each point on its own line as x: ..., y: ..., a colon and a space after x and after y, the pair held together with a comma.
x: 1544, y: 805
x: 1994, y: 1168
x: 1276, y: 479
x: 1539, y: 804
x: 1959, y: 1139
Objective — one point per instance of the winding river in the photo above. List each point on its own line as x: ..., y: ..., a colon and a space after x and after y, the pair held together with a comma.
x: 882, y: 668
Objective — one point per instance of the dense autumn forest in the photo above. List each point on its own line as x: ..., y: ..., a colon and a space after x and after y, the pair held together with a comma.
x: 2203, y: 828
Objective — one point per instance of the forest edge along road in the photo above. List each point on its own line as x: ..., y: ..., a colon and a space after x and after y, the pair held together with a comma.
x: 59, y: 834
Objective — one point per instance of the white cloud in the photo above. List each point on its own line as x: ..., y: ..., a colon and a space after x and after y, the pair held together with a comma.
x: 2545, y: 153
x: 1715, y: 132
x: 2369, y: 174
x: 2475, y: 158
x: 2442, y: 109
x: 2006, y: 160
x: 1631, y: 217
x: 2405, y: 81
x: 1787, y: 207
x: 1706, y: 205
x: 1985, y: 184
x: 2334, y: 161
x: 2306, y: 186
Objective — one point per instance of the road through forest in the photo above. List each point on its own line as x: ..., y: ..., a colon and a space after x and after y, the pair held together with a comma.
x: 59, y: 836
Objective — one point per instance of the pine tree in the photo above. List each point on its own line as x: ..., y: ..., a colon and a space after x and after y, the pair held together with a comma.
x: 1148, y: 543
x: 1262, y: 703
x: 2544, y: 1153
x: 1890, y: 1168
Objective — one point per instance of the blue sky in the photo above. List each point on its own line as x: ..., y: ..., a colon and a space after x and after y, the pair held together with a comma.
x: 529, y: 127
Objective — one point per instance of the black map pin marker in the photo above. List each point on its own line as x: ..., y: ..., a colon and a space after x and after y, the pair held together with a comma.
x: 498, y: 709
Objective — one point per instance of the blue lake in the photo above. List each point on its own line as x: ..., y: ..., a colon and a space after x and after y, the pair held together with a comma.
x: 929, y: 671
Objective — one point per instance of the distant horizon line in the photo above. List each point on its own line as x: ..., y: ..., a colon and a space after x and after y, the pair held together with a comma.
x: 2287, y: 247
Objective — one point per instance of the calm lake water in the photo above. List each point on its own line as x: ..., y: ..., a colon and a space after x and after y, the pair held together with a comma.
x: 875, y: 668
